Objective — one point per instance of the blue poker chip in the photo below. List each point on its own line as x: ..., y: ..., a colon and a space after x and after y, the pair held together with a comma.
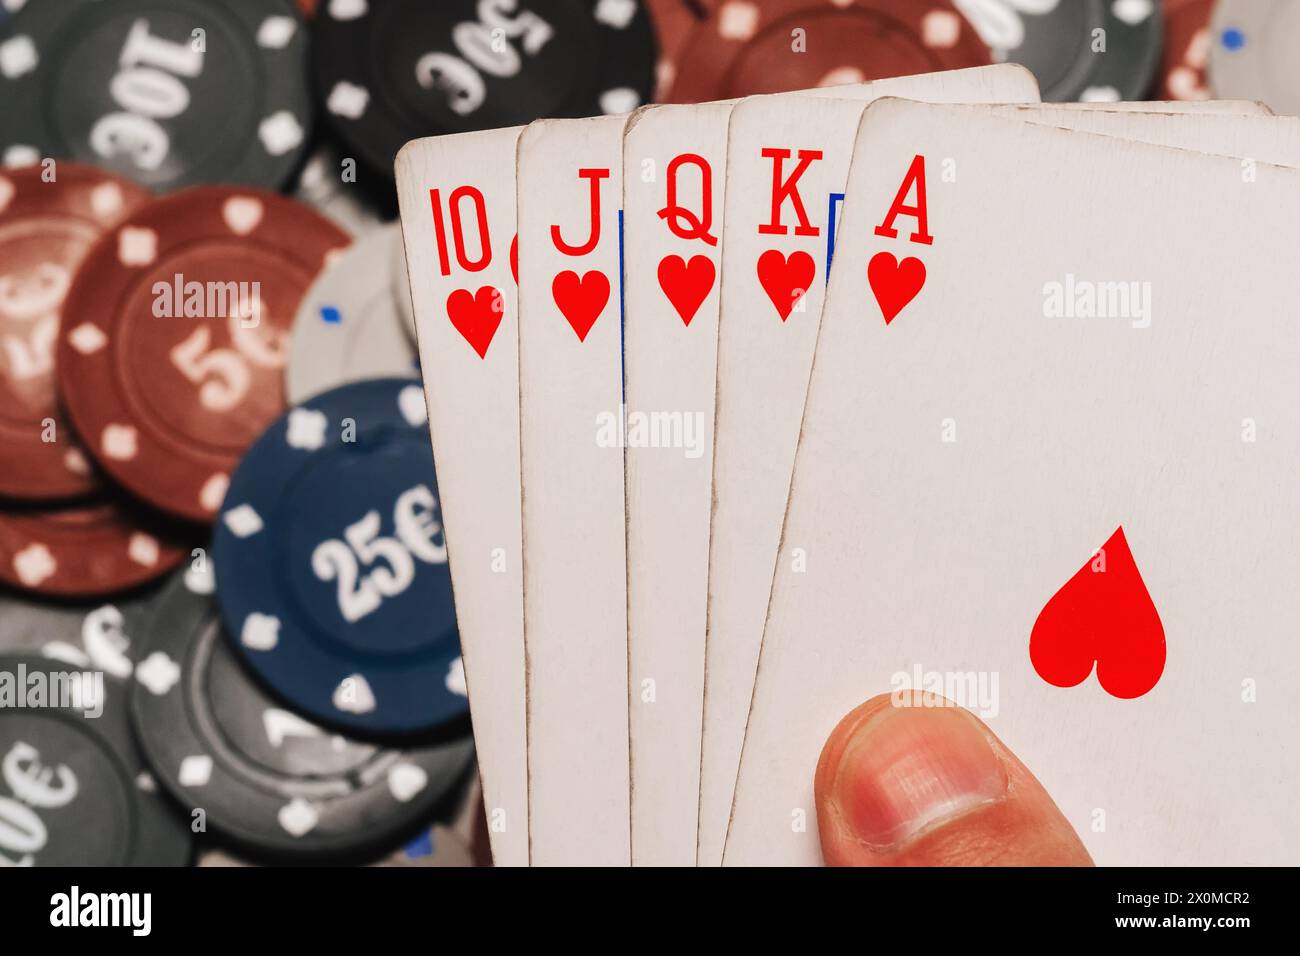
x: 332, y: 565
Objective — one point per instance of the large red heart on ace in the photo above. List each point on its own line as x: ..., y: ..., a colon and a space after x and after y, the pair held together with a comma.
x: 894, y: 283
x: 1103, y: 616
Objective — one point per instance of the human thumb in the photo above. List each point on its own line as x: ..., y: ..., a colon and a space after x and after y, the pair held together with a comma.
x: 917, y: 781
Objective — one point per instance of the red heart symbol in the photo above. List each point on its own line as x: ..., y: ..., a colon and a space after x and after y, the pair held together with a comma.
x: 1102, y: 615
x: 581, y: 300
x: 476, y: 316
x: 785, y: 280
x: 686, y: 284
x: 894, y: 283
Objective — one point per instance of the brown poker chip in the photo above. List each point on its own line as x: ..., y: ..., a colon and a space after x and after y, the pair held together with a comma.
x: 749, y: 47
x: 50, y: 217
x: 87, y: 550
x: 1186, y: 53
x: 171, y: 358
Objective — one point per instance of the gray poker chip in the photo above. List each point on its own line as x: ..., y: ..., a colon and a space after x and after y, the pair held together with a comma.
x: 1253, y: 53
x: 74, y: 791
x: 349, y: 204
x: 272, y: 784
x: 389, y: 71
x: 438, y: 847
x: 349, y: 327
x: 84, y: 634
x: 1061, y: 43
x: 169, y: 93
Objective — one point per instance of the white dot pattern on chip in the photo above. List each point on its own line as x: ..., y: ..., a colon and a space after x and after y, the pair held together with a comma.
x: 354, y: 696
x: 106, y: 201
x: 941, y: 29
x: 298, y: 817
x: 280, y: 133
x: 738, y: 21
x: 34, y: 564
x: 87, y: 338
x: 306, y: 429
x: 143, y: 549
x: 620, y: 99
x: 137, y: 246
x: 119, y: 442
x: 348, y: 100
x: 195, y: 770
x: 242, y: 520
x: 261, y: 632
x: 213, y: 492
x: 18, y: 56
x: 275, y: 33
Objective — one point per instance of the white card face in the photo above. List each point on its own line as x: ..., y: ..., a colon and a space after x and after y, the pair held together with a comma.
x: 673, y: 178
x: 570, y: 392
x: 1021, y: 459
x: 458, y: 218
x: 787, y: 163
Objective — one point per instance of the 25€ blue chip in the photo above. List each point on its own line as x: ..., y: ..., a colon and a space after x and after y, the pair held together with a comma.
x: 331, y: 563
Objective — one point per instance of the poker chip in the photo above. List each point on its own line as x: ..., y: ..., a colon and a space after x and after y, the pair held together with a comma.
x: 86, y: 634
x: 1252, y: 56
x: 333, y: 567
x: 673, y: 21
x: 349, y: 327
x: 389, y: 71
x: 265, y: 778
x: 747, y: 47
x: 1186, y: 50
x: 172, y: 358
x: 1055, y: 42
x: 74, y: 791
x: 88, y: 549
x: 127, y: 86
x: 437, y: 847
x: 48, y: 220
x: 350, y: 205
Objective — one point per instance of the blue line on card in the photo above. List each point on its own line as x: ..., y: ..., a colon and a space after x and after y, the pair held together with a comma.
x: 832, y: 218
x: 622, y: 315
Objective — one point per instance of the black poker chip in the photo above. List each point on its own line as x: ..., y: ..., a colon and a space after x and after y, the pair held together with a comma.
x: 389, y: 71
x: 264, y: 778
x: 1079, y: 50
x: 169, y: 93
x: 88, y: 634
x: 73, y: 791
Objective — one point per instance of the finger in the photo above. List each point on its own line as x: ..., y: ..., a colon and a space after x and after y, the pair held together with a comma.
x: 917, y: 781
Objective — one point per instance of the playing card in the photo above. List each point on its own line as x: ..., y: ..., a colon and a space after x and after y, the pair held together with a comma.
x: 1065, y: 454
x: 457, y: 200
x: 1229, y: 107
x: 787, y: 162
x: 1257, y: 137
x: 570, y: 406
